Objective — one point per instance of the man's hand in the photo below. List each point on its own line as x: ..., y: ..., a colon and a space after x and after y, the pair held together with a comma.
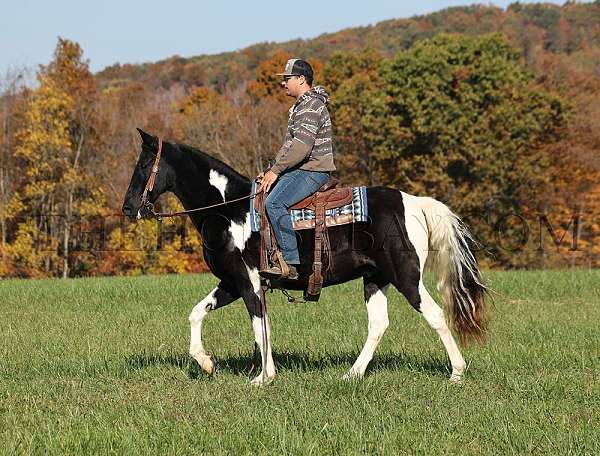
x: 267, y: 181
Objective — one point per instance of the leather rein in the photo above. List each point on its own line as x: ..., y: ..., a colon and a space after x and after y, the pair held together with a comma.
x: 146, y: 204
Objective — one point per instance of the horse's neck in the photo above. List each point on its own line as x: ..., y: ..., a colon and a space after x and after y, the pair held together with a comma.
x: 203, y: 181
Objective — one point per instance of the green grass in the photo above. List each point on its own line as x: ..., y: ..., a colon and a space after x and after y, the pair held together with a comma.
x: 101, y: 366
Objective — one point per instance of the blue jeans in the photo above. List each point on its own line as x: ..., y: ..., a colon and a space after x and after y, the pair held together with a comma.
x: 291, y: 187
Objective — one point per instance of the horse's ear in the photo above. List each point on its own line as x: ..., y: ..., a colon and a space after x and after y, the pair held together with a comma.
x: 147, y: 138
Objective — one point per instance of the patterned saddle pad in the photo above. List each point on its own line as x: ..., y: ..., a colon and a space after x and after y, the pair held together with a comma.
x: 303, y: 219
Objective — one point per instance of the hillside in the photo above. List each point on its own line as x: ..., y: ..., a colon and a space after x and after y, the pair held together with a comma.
x: 541, y: 28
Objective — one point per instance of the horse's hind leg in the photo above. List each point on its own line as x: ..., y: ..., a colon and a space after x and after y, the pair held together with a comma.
x: 376, y: 300
x: 434, y: 315
x: 418, y: 297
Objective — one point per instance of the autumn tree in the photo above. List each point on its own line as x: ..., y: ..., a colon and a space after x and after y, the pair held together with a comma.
x: 56, y: 150
x: 13, y: 98
x: 573, y: 191
x: 456, y: 118
x: 244, y: 135
x: 354, y: 81
x: 267, y: 84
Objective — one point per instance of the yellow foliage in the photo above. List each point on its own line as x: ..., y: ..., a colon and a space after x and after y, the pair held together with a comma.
x: 54, y: 144
x: 47, y: 128
x: 133, y: 246
x: 32, y: 254
x: 170, y: 259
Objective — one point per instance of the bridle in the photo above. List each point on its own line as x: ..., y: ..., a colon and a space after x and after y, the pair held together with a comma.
x: 150, y: 183
x: 149, y: 207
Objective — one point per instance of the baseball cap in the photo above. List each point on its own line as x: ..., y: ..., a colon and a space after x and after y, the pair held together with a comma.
x: 297, y: 67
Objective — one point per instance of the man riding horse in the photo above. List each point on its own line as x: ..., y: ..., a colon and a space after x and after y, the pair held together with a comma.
x: 403, y: 235
x: 303, y: 163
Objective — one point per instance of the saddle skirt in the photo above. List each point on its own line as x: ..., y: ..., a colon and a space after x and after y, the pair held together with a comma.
x: 344, y: 206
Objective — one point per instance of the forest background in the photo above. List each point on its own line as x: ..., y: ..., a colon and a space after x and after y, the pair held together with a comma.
x: 494, y: 112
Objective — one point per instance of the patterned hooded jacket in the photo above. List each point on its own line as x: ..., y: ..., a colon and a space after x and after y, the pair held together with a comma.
x: 308, y: 141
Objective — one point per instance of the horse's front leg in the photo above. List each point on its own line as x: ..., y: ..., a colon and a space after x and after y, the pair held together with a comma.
x: 219, y: 297
x: 260, y: 326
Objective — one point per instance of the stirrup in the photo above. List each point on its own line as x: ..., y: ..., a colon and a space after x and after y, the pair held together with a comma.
x: 285, y: 269
x: 275, y: 273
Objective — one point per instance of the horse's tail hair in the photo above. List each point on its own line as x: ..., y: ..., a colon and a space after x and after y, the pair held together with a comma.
x: 451, y: 256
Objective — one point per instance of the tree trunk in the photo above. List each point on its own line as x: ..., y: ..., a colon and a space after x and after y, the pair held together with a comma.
x: 3, y: 216
x: 3, y: 171
x: 68, y: 221
x: 66, y: 234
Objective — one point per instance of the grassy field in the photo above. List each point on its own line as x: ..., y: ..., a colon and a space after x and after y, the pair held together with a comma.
x: 101, y: 366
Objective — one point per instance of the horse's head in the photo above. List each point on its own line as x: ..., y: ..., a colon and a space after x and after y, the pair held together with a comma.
x: 133, y: 206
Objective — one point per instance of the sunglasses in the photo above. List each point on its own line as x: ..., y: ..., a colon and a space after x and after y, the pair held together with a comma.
x: 287, y: 78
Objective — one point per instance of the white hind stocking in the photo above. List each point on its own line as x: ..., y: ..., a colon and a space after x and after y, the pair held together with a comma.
x: 434, y: 315
x: 378, y: 323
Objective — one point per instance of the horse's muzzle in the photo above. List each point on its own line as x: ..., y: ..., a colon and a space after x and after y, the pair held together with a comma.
x: 143, y: 212
x: 129, y: 212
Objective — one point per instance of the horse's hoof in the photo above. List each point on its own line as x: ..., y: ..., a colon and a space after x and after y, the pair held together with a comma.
x: 261, y: 380
x: 352, y: 376
x: 456, y: 379
x: 208, y: 366
x: 206, y: 363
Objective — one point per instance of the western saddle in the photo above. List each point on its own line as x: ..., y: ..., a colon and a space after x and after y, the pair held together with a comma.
x: 327, y: 197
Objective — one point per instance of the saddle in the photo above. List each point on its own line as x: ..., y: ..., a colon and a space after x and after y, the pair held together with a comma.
x: 327, y: 197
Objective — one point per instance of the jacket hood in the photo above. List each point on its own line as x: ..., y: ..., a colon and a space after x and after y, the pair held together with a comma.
x: 319, y: 92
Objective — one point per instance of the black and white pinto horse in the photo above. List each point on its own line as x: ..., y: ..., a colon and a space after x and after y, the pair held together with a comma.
x: 404, y: 234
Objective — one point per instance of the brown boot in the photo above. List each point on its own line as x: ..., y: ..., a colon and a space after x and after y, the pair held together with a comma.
x: 274, y: 273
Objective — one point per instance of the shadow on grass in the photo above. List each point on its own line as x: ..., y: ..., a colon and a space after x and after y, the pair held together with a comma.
x: 295, y: 361
x: 182, y: 361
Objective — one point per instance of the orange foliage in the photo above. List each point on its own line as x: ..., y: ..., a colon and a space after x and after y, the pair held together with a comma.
x: 232, y: 106
x: 267, y: 84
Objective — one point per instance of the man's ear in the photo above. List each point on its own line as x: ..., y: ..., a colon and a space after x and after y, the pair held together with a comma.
x: 147, y: 138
